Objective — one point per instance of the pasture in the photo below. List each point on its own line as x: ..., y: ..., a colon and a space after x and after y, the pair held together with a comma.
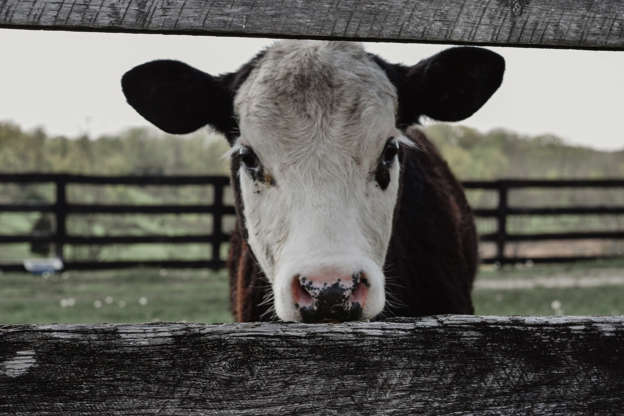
x: 147, y: 295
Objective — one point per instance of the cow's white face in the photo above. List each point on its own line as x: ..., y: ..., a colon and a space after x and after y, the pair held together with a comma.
x: 319, y: 170
x: 314, y: 133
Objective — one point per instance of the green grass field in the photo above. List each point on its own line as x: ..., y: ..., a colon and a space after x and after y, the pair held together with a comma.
x: 144, y: 295
x: 603, y: 300
x: 140, y: 295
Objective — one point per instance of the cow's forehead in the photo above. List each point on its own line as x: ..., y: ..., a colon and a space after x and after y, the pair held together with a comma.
x: 306, y: 94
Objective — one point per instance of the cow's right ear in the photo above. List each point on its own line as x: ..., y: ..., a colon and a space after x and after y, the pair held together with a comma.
x: 180, y: 99
x: 449, y: 86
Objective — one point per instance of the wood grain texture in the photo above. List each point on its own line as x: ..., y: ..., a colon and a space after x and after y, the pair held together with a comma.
x: 591, y: 24
x: 439, y: 365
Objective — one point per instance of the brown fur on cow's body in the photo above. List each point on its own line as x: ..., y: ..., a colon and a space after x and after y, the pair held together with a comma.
x: 432, y: 257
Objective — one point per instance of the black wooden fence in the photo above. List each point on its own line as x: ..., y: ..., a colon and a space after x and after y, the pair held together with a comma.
x: 503, y: 211
x: 61, y: 208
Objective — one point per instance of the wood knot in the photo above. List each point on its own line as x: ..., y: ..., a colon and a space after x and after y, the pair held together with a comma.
x: 517, y: 7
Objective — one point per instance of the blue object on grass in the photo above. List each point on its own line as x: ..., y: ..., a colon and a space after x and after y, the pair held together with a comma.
x: 43, y: 266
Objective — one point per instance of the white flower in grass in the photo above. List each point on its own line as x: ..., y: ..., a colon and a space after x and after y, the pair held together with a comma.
x: 68, y: 302
x: 556, y: 307
x: 97, y: 304
x: 142, y: 301
x: 108, y: 300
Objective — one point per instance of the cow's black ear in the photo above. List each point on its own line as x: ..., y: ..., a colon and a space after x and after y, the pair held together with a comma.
x: 178, y: 98
x: 449, y: 86
x: 457, y: 82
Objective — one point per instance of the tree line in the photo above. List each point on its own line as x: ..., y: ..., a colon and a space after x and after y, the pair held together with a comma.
x: 472, y: 154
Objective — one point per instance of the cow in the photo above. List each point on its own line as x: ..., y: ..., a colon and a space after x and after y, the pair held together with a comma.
x: 346, y: 211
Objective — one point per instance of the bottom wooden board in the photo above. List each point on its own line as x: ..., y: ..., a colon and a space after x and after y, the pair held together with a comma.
x: 446, y: 365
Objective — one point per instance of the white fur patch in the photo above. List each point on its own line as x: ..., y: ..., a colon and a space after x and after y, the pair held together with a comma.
x: 318, y: 115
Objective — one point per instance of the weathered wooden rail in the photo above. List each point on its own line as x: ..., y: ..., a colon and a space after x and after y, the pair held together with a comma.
x: 587, y: 24
x: 446, y: 365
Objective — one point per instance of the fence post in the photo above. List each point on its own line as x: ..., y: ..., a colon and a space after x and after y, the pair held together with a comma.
x: 501, y: 220
x: 217, y: 216
x: 60, y: 210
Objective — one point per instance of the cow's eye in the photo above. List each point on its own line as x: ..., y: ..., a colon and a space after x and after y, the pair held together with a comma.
x: 382, y: 173
x: 389, y: 152
x: 248, y: 158
x: 250, y: 161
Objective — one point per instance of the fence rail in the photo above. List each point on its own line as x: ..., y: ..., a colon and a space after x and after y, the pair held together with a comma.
x: 426, y: 366
x: 62, y: 208
x: 552, y: 23
x: 501, y: 236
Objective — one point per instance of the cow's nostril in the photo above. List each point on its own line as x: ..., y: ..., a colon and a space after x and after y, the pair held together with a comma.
x: 300, y: 294
x: 360, y: 289
x: 359, y: 278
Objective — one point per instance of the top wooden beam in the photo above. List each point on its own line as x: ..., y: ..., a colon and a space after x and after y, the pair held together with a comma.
x: 586, y: 24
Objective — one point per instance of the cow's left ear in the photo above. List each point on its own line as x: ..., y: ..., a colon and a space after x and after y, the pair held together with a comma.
x: 449, y: 86
x: 178, y: 98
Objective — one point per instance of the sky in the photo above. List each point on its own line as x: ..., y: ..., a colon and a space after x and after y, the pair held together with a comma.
x: 69, y: 82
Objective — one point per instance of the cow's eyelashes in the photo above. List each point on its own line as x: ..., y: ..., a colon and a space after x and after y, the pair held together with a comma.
x: 389, y: 153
